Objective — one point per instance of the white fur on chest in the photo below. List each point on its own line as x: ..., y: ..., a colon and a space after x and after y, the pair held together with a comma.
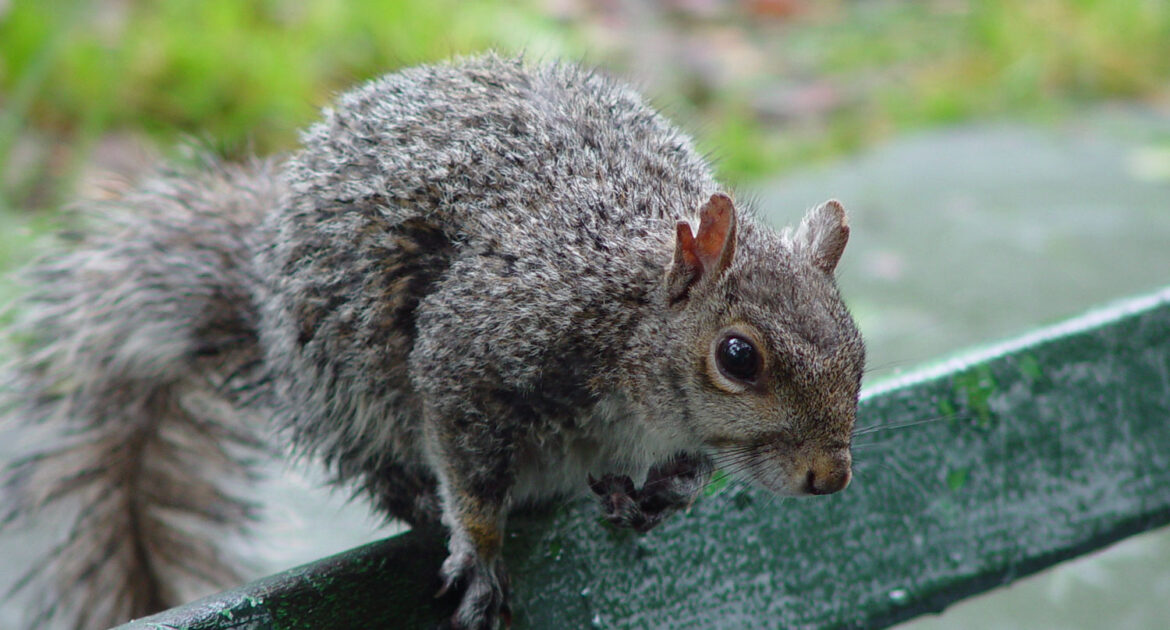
x: 610, y: 438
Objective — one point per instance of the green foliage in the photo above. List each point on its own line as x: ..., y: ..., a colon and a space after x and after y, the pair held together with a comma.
x: 903, y: 65
x: 245, y: 73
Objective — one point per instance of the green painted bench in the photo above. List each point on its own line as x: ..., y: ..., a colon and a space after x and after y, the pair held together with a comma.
x: 970, y: 474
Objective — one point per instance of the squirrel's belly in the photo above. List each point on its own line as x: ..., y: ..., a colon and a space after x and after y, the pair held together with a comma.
x: 541, y: 479
x: 610, y: 439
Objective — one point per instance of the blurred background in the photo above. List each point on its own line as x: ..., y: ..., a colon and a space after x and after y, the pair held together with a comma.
x: 1006, y: 165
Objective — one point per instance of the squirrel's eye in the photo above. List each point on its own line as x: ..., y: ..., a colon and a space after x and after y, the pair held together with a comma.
x: 738, y: 359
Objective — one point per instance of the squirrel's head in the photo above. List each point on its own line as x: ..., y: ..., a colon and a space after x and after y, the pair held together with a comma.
x: 763, y: 353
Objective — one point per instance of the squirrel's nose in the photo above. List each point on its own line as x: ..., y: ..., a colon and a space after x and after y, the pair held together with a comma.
x: 827, y: 476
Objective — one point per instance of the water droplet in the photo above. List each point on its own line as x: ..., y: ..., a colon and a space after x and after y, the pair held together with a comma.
x: 899, y: 596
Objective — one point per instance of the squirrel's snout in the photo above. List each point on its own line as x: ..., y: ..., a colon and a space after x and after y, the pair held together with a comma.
x: 827, y: 475
x: 827, y: 484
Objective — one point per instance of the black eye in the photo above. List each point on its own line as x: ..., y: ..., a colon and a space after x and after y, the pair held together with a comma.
x: 738, y: 359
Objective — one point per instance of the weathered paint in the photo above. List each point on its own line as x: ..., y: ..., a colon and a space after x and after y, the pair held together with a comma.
x: 1048, y: 446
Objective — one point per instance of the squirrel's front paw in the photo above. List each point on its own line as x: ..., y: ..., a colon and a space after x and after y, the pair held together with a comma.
x: 485, y: 592
x: 674, y: 485
x: 619, y: 501
x: 669, y: 487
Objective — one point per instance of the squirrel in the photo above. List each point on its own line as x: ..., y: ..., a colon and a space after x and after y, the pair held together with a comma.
x: 479, y: 285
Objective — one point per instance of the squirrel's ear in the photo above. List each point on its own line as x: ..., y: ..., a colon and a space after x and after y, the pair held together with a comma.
x: 822, y: 235
x: 707, y: 254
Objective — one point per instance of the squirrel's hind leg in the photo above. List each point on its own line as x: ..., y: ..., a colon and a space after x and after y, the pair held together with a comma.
x: 475, y: 481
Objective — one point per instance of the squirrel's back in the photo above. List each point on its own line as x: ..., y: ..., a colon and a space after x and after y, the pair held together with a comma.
x: 468, y: 144
x: 561, y: 182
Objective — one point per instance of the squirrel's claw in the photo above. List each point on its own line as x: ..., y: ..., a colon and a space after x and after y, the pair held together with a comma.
x: 484, y: 602
x: 619, y: 500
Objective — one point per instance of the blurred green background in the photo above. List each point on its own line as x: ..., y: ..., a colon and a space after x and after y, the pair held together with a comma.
x: 1006, y: 163
x: 767, y: 85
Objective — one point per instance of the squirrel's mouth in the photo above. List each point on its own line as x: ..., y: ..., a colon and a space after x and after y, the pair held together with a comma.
x: 786, y: 469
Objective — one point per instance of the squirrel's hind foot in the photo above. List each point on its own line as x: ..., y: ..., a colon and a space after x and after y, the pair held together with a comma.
x: 483, y: 591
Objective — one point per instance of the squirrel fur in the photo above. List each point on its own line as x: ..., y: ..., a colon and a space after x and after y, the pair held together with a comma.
x: 478, y: 285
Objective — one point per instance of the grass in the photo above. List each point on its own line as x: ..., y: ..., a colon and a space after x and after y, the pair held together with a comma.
x: 235, y: 71
x: 238, y: 76
x: 243, y: 76
x: 907, y: 65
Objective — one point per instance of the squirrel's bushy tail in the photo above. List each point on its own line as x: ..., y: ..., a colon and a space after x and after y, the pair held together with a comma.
x: 136, y: 357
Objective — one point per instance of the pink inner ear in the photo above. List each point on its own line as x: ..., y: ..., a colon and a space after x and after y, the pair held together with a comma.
x: 686, y: 246
x: 716, y: 239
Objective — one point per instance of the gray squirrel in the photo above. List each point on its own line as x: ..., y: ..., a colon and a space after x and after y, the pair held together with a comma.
x: 479, y: 285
